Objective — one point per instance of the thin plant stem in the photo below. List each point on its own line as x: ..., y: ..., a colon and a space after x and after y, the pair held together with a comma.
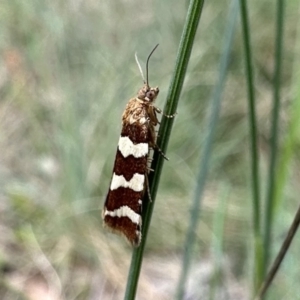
x: 281, y: 254
x: 258, y: 273
x: 270, y: 205
x: 185, y: 48
x: 207, y: 149
x: 218, y: 240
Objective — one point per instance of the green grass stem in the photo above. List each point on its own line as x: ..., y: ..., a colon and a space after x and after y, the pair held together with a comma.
x: 270, y: 202
x: 207, y: 150
x: 280, y: 256
x: 185, y: 48
x: 258, y: 273
x: 218, y: 240
x: 293, y: 133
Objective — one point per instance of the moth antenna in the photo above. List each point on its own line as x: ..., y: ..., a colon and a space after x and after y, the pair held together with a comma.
x: 147, y: 63
x: 140, y: 68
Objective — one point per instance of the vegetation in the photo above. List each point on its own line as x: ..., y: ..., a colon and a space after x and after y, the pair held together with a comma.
x: 67, y: 69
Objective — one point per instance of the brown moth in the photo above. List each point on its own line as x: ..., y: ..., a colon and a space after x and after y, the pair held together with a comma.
x: 123, y: 205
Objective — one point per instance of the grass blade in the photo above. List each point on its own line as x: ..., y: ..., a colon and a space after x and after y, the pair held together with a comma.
x: 293, y: 132
x: 207, y: 149
x: 185, y: 48
x: 281, y: 254
x: 258, y: 273
x: 270, y: 204
x: 218, y: 241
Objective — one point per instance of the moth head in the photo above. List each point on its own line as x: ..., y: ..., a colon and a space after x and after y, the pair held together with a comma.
x: 148, y: 93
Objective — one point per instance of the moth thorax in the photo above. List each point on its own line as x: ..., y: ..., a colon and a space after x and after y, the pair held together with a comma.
x: 148, y: 93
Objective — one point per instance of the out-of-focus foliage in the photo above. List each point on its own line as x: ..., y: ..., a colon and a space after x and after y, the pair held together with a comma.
x: 67, y: 69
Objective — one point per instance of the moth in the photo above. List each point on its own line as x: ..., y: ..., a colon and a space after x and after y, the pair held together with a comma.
x: 123, y: 205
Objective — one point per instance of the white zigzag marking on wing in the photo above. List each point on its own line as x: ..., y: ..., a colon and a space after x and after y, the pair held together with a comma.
x: 136, y: 183
x: 127, y: 147
x: 125, y: 211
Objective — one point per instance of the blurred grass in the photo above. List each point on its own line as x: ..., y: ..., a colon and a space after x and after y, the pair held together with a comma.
x: 274, y: 133
x: 67, y: 70
x: 212, y: 121
x: 254, y: 152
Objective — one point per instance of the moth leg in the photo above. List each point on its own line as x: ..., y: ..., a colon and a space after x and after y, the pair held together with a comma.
x: 153, y: 144
x: 160, y: 152
x: 155, y: 147
x: 149, y: 170
x: 167, y: 116
x: 152, y: 116
x: 149, y: 161
x: 148, y: 188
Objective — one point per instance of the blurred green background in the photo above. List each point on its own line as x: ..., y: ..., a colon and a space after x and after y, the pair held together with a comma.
x: 67, y: 70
